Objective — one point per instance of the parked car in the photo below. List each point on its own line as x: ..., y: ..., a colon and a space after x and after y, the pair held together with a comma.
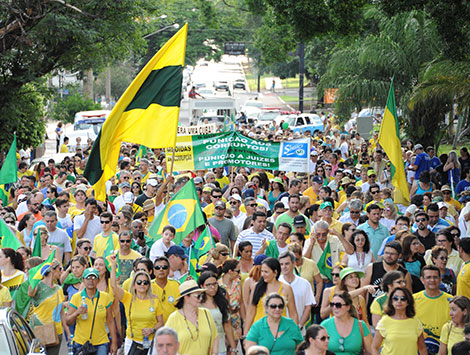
x: 239, y: 84
x: 302, y: 122
x: 267, y: 116
x: 16, y: 336
x: 221, y: 85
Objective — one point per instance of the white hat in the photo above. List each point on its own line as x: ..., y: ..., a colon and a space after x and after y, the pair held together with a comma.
x: 128, y: 197
x: 152, y: 182
x: 236, y: 197
x: 442, y: 205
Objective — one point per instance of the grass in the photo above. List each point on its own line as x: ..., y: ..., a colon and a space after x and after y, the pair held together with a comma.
x: 288, y: 98
x: 446, y: 148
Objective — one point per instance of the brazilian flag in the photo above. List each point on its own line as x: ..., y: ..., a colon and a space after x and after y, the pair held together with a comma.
x: 324, y: 263
x: 9, y: 239
x: 142, y: 152
x: 36, y: 273
x: 147, y: 113
x: 183, y: 212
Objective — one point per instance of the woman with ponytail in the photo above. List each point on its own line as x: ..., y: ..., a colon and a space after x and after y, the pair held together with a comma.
x: 316, y: 341
x: 269, y: 283
x: 231, y: 282
x: 12, y: 269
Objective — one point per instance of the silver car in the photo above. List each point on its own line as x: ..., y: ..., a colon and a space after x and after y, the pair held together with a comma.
x: 16, y: 336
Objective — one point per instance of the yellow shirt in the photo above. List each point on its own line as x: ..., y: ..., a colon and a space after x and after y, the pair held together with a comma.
x: 308, y: 270
x: 14, y: 281
x: 46, y: 306
x: 140, y: 314
x: 451, y: 335
x: 205, y: 334
x: 26, y: 173
x: 101, y: 243
x: 74, y: 211
x: 433, y: 312
x: 311, y: 195
x: 463, y: 281
x: 4, y: 296
x: 83, y: 327
x: 400, y: 336
x: 167, y: 297
x: 223, y: 181
x: 209, y: 210
x: 64, y: 149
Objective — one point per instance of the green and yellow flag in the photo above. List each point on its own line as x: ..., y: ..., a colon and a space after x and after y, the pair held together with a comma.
x: 107, y: 253
x: 9, y: 171
x: 147, y: 113
x: 142, y: 152
x: 324, y: 263
x: 389, y: 140
x: 37, y: 249
x: 36, y: 273
x: 183, y: 212
x: 8, y: 238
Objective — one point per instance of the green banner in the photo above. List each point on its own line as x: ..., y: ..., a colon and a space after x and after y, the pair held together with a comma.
x: 233, y: 149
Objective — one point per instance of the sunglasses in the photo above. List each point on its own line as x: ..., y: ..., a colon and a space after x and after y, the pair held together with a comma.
x: 142, y: 282
x: 374, y: 192
x: 278, y: 306
x: 224, y: 253
x: 161, y: 267
x: 335, y: 274
x: 323, y: 338
x: 217, y: 196
x: 396, y: 298
x: 252, y: 205
x: 105, y: 222
x: 443, y: 258
x: 338, y: 305
x: 233, y: 202
x: 420, y: 220
x: 125, y: 241
x: 86, y: 248
x: 198, y: 296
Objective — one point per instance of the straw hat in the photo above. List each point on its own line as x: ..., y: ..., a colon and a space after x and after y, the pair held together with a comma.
x: 189, y: 287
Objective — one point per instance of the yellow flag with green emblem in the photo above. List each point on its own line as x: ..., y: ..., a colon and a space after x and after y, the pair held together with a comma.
x: 147, y: 113
x: 389, y: 140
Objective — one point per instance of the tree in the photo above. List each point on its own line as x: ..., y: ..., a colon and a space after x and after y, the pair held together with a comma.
x: 66, y: 108
x: 122, y: 75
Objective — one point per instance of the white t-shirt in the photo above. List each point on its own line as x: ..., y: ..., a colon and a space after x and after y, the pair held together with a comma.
x: 61, y: 239
x: 303, y: 293
x: 159, y: 249
x: 65, y: 222
x: 93, y: 227
x: 344, y: 150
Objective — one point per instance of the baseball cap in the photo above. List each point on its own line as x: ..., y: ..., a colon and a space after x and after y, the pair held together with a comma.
x: 259, y: 259
x: 176, y: 250
x: 82, y: 188
x: 236, y: 197
x: 207, y: 189
x: 349, y: 270
x: 446, y: 188
x: 249, y: 193
x: 220, y: 204
x: 325, y: 205
x: 124, y: 184
x: 418, y: 146
x: 152, y: 182
x: 128, y: 197
x: 313, y: 152
x: 91, y: 271
x: 317, y: 179
x: 299, y: 221
x: 198, y: 180
x: 371, y: 172
x: 442, y: 205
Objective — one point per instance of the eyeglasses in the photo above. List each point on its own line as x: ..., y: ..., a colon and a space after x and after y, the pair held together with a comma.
x: 125, y: 240
x: 161, y: 267
x: 274, y: 306
x: 396, y: 298
x: 86, y: 248
x: 338, y: 305
x: 198, y: 296
x: 375, y: 192
x: 341, y: 344
x: 323, y: 338
x: 445, y: 258
x: 441, y: 240
x: 214, y: 284
x: 142, y: 282
x: 335, y: 274
x: 105, y: 222
x: 354, y: 212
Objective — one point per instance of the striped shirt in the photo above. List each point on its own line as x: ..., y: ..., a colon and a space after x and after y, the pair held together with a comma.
x: 256, y: 239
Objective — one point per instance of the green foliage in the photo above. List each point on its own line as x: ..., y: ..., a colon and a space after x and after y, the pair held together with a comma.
x: 66, y: 108
x: 122, y: 75
x: 23, y: 113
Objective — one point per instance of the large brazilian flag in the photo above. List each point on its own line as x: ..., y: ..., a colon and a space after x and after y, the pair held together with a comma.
x: 147, y: 113
x: 389, y: 139
x: 183, y: 212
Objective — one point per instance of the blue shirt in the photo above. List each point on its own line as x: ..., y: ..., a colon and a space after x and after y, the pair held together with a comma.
x: 435, y: 162
x: 376, y: 236
x: 441, y: 224
x: 463, y: 185
x: 423, y: 162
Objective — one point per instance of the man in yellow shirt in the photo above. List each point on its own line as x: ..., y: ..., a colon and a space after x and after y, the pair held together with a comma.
x: 220, y: 178
x: 126, y: 255
x: 313, y: 192
x: 216, y: 195
x: 463, y: 279
x: 167, y: 290
x: 432, y: 307
x: 63, y: 147
x: 102, y: 240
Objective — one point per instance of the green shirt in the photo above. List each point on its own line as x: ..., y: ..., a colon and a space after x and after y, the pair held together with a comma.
x: 285, y: 218
x: 286, y: 342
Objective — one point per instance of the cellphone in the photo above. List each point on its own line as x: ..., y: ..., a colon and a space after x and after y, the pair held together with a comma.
x: 141, y: 235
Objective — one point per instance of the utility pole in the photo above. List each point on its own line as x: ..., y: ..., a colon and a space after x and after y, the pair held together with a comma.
x: 301, y: 77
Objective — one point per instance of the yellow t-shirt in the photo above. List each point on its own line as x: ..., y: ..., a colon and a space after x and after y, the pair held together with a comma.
x: 140, y: 314
x: 167, y: 297
x: 26, y: 173
x: 101, y: 242
x: 46, y: 309
x: 14, y: 281
x: 432, y: 312
x: 308, y: 270
x: 5, y: 296
x: 64, y: 149
x: 74, y: 211
x: 400, y: 335
x: 205, y: 334
x: 311, y: 195
x: 83, y: 327
x: 451, y: 335
x: 463, y: 281
x: 209, y: 210
x: 223, y: 181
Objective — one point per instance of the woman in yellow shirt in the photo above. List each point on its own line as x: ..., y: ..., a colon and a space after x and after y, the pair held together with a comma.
x: 195, y: 326
x: 12, y: 272
x: 143, y: 311
x: 452, y: 331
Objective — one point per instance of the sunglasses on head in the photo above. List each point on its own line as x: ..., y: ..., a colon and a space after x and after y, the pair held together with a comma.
x: 161, y: 267
x: 142, y: 282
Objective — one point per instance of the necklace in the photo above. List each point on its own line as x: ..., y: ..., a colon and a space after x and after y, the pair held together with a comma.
x: 193, y: 338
